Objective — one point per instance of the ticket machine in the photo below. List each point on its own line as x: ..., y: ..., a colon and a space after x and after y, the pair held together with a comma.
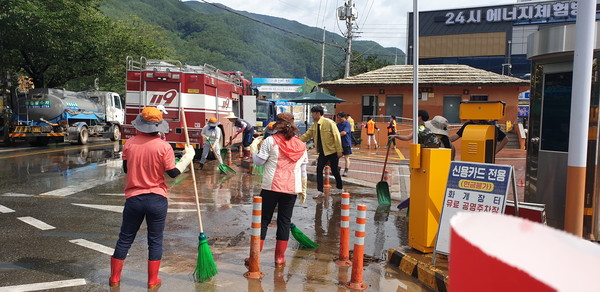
x: 479, y: 139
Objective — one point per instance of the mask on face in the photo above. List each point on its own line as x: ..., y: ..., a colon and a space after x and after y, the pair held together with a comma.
x: 211, y: 127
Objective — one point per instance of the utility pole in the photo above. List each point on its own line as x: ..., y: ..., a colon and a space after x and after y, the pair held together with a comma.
x: 323, y: 56
x: 348, y: 13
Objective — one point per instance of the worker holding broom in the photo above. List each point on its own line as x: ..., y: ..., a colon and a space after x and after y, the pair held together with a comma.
x: 212, y: 135
x: 146, y: 157
x: 284, y: 158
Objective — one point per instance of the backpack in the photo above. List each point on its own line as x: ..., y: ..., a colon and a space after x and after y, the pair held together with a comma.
x: 428, y: 139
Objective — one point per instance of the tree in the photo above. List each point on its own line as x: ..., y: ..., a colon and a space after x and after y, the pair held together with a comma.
x: 71, y: 42
x: 360, y: 64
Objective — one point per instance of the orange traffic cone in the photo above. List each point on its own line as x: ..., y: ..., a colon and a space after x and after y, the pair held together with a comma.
x: 521, y: 184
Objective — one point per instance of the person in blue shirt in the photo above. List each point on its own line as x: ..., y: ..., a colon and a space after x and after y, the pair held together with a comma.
x: 346, y: 132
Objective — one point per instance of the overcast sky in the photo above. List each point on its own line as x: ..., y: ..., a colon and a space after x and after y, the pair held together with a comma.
x: 383, y: 21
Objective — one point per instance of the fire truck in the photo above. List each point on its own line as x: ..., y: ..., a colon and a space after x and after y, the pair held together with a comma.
x: 202, y: 91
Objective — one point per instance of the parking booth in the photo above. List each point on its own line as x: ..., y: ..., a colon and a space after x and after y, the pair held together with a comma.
x: 551, y: 51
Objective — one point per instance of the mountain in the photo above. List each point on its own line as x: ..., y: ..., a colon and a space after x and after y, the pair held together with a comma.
x: 258, y: 45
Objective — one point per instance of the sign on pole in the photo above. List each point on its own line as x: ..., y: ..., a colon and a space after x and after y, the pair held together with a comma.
x: 472, y: 187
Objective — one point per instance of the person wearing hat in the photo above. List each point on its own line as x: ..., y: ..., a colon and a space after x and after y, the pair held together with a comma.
x: 270, y: 130
x: 212, y: 135
x: 246, y: 129
x: 284, y: 157
x: 146, y: 157
x: 439, y: 126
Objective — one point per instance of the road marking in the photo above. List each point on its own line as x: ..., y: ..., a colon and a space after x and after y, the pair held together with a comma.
x: 85, y: 185
x: 4, y: 209
x: 119, y: 209
x: 44, y: 285
x: 36, y: 223
x: 92, y: 245
x: 16, y: 195
x: 115, y: 194
x: 402, y: 285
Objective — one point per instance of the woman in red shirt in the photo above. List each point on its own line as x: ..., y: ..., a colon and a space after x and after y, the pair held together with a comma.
x: 146, y: 157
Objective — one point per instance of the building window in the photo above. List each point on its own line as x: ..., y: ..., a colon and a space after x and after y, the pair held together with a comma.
x: 479, y: 97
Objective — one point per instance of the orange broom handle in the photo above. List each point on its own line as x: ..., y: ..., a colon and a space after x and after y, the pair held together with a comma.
x: 187, y: 141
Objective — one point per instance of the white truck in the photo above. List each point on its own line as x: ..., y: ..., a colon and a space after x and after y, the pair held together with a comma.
x: 45, y: 114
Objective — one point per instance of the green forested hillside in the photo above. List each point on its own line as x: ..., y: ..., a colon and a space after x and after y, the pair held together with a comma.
x: 200, y: 33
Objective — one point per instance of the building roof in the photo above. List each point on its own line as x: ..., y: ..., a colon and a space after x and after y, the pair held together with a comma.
x: 429, y: 75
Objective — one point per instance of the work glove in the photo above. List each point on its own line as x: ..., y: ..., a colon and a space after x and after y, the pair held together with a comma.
x: 186, y: 159
x: 303, y: 193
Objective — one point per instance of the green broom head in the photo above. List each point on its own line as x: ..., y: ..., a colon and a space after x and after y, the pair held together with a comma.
x: 302, y: 239
x: 205, y: 266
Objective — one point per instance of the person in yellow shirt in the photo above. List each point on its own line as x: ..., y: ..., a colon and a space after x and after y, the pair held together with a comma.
x: 351, y: 121
x: 328, y: 142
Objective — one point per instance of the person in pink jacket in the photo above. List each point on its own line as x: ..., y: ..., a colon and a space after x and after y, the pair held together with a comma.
x: 284, y: 158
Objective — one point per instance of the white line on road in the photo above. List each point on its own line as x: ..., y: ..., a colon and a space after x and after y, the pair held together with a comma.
x: 16, y: 195
x: 44, y: 285
x: 402, y: 285
x: 36, y: 223
x: 92, y: 245
x: 4, y: 209
x: 82, y: 186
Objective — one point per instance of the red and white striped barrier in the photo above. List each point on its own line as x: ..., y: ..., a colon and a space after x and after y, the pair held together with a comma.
x: 344, y: 257
x: 327, y: 171
x: 359, y: 250
x: 254, y: 260
x: 229, y: 162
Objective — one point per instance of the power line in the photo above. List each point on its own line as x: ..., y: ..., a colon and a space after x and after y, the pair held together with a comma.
x: 272, y: 26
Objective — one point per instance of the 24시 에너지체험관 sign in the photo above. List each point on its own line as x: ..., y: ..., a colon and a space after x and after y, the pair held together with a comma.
x: 472, y: 187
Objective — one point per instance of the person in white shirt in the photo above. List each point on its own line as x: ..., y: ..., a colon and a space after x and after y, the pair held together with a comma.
x: 211, y: 135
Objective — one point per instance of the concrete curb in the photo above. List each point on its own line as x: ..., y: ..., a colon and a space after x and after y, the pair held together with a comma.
x: 420, y: 269
x: 346, y: 180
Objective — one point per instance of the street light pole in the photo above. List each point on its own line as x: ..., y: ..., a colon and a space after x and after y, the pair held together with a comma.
x: 580, y: 112
x: 348, y: 14
x: 415, y: 52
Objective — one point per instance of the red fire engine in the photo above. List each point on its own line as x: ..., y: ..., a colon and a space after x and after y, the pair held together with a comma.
x: 203, y: 92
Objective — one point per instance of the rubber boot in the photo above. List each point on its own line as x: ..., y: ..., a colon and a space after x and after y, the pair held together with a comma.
x: 153, y: 280
x: 280, y: 248
x: 116, y: 266
x: 247, y: 260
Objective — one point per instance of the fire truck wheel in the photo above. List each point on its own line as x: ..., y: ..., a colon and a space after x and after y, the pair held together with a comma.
x: 116, y: 134
x: 83, y: 136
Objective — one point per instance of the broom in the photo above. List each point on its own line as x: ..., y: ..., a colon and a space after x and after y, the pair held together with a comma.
x: 302, y: 239
x: 205, y: 264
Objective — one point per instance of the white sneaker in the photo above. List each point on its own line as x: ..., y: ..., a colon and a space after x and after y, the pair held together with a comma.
x: 319, y: 195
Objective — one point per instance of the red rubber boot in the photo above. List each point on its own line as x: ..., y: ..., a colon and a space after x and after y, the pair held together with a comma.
x: 153, y: 280
x: 280, y: 248
x: 116, y: 266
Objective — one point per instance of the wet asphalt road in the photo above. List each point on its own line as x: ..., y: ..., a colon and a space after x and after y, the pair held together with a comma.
x: 77, y: 191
